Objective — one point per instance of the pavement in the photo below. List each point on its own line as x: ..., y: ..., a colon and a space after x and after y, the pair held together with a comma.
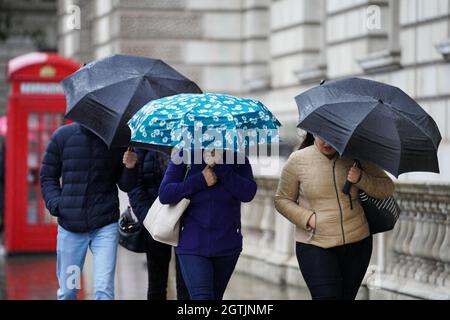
x: 33, y: 277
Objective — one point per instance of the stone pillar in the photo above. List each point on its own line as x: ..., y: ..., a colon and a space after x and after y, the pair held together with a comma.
x: 388, y: 57
x: 354, y: 29
x: 426, y: 76
x: 217, y: 51
x: 255, y: 45
x: 295, y: 39
x: 32, y: 26
x: 316, y: 71
x: 74, y: 29
x: 158, y: 29
x: 187, y: 34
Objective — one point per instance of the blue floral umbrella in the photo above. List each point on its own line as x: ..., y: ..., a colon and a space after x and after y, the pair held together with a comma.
x: 204, y: 121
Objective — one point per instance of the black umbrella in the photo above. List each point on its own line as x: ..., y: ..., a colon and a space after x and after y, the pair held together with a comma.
x: 106, y: 93
x: 372, y: 121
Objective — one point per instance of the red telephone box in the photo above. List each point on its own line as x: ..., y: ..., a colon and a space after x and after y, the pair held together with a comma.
x: 36, y: 107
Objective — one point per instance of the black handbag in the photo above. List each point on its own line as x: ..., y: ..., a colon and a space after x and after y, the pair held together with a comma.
x: 132, y: 235
x: 380, y: 214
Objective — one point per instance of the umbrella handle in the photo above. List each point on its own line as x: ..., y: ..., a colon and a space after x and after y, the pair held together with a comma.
x: 348, y: 184
x: 347, y: 187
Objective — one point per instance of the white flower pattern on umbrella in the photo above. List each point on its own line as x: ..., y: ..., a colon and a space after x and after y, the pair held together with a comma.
x: 157, y: 121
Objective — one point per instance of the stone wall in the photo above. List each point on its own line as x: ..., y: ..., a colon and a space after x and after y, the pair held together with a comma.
x: 189, y: 35
x: 410, y: 51
x: 33, y: 26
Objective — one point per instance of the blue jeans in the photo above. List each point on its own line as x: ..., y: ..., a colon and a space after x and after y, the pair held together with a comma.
x: 207, y: 278
x: 71, y: 253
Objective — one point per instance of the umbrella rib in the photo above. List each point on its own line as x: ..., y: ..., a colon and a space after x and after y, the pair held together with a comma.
x: 165, y: 77
x: 334, y: 103
x: 170, y: 78
x: 349, y: 93
x: 413, y: 123
x: 331, y: 104
x: 167, y: 87
x: 115, y: 83
x: 361, y: 122
x: 84, y: 126
x: 400, y: 140
x: 363, y: 119
x: 90, y: 92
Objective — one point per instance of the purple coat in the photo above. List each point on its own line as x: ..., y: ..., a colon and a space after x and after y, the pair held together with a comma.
x: 211, y: 225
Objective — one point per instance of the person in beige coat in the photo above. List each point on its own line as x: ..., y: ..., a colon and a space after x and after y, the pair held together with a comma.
x: 333, y: 241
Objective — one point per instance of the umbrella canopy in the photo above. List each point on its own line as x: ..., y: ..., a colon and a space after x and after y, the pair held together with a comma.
x: 204, y: 121
x: 372, y: 121
x: 105, y: 94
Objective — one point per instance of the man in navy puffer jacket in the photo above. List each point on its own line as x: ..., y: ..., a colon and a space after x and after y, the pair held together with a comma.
x: 86, y: 204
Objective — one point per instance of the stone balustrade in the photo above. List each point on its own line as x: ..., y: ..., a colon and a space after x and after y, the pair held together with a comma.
x: 420, y: 243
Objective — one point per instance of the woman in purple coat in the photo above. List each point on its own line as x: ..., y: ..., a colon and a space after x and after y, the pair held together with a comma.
x: 210, y: 234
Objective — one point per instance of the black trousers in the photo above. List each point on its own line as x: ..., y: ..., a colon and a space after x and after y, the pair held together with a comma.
x: 158, y: 260
x: 334, y: 273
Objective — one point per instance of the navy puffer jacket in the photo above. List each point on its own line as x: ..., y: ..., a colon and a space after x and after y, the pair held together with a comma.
x: 87, y: 196
x: 150, y: 172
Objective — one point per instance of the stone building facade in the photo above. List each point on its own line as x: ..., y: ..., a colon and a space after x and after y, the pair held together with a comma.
x: 25, y: 26
x: 273, y: 50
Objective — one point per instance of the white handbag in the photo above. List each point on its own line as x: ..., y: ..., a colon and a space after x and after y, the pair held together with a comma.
x: 163, y: 220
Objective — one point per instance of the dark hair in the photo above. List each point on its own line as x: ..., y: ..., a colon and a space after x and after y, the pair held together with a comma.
x: 308, y: 141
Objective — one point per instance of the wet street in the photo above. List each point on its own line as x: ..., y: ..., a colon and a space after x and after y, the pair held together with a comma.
x: 34, y: 277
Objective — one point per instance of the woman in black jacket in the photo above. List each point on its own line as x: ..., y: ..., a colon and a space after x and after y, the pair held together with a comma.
x: 146, y: 179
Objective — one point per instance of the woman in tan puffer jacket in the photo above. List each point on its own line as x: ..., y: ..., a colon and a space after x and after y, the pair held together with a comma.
x: 334, y: 244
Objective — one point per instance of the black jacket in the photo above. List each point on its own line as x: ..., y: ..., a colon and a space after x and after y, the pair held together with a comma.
x: 87, y: 196
x: 150, y: 172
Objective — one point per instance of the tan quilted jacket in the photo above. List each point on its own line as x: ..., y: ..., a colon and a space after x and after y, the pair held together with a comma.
x: 312, y: 183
